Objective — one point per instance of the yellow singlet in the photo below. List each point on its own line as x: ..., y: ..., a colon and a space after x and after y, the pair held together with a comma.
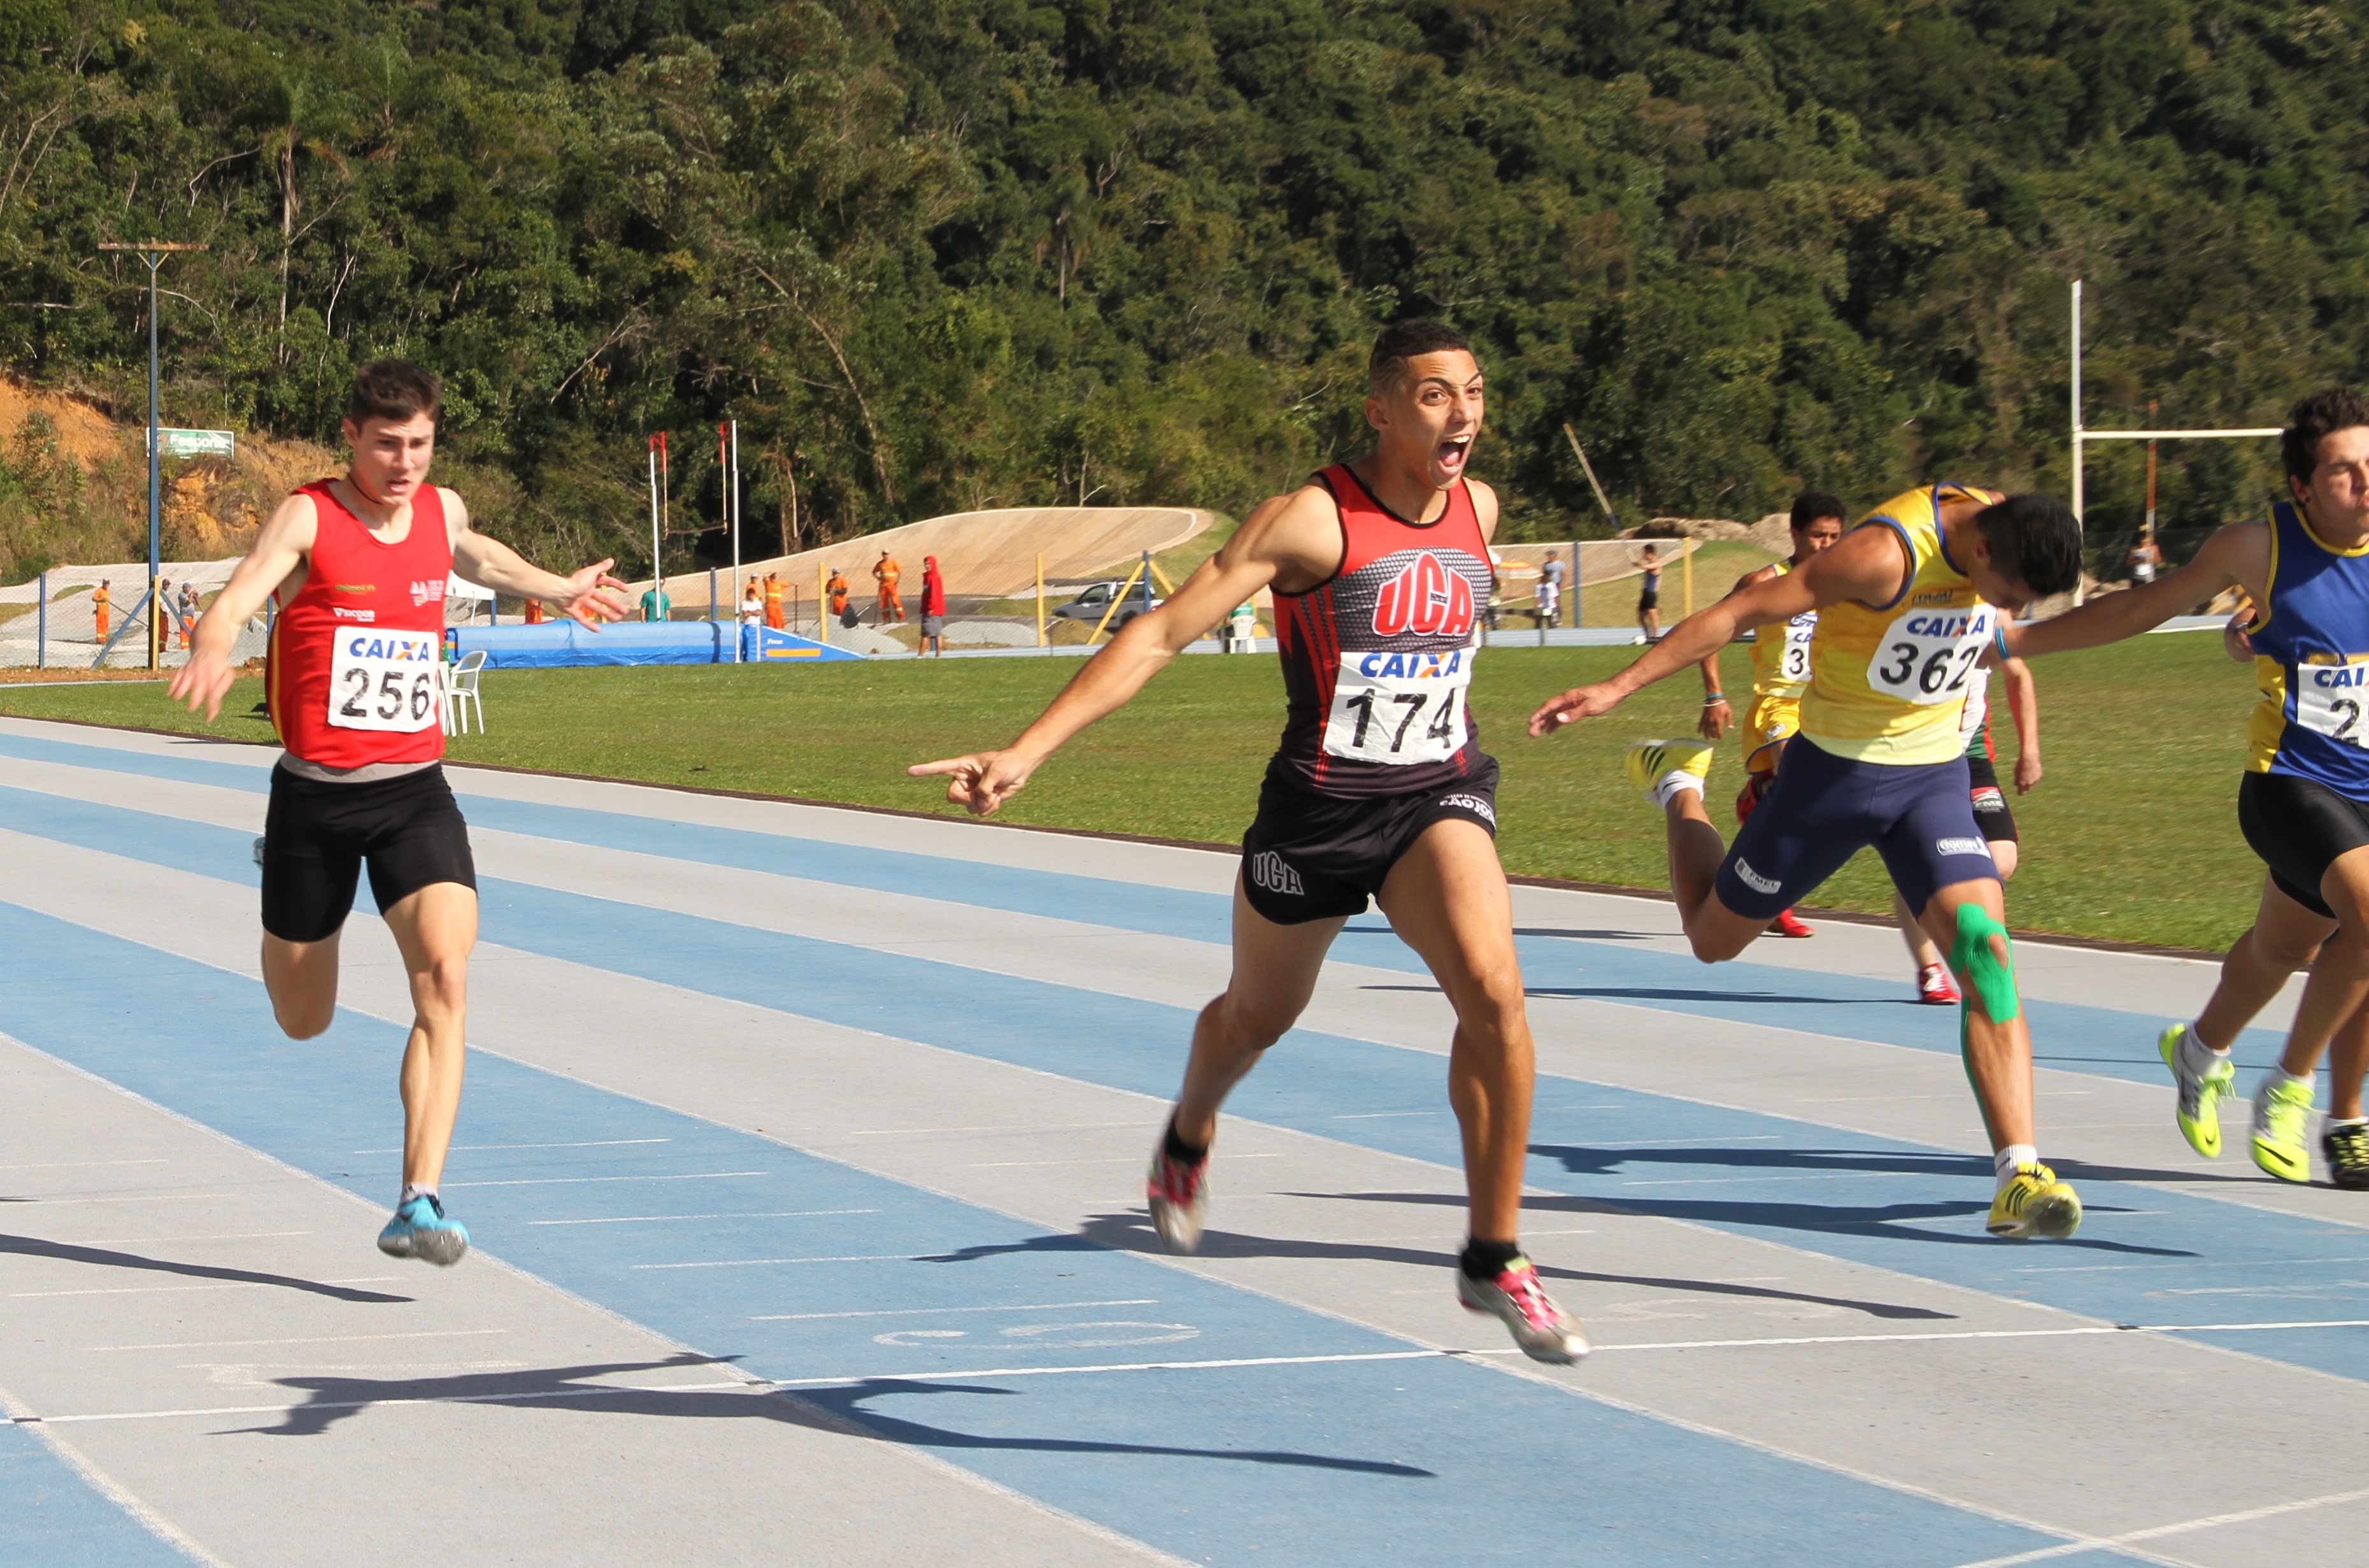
x: 1888, y: 684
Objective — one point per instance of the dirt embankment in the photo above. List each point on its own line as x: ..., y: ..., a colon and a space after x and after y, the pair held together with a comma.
x: 80, y: 490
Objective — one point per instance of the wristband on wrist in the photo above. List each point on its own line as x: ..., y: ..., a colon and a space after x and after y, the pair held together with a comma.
x: 1711, y: 697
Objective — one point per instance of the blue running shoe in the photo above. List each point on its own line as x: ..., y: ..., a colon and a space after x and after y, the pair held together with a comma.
x: 420, y: 1231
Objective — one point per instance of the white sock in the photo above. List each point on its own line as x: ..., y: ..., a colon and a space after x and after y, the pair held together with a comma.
x: 1667, y: 787
x: 2007, y: 1159
x: 2195, y: 1058
x: 412, y: 1190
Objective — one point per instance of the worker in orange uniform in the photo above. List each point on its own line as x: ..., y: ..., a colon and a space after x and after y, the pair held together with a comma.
x: 101, y: 602
x: 773, y: 603
x: 534, y: 612
x: 888, y: 571
x: 837, y: 588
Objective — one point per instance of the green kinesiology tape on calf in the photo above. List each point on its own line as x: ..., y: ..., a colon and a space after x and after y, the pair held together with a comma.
x: 1985, y: 974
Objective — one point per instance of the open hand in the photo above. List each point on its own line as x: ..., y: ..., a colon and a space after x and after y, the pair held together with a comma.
x: 1716, y: 717
x: 1580, y: 702
x: 594, y: 596
x: 980, y: 782
x: 204, y: 682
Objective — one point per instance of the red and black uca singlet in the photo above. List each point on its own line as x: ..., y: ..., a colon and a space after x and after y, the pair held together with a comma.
x: 1377, y: 659
x: 352, y: 671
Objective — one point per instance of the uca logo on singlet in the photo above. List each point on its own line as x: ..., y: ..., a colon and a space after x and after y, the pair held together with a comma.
x: 1426, y: 599
x: 1269, y: 870
x: 428, y: 593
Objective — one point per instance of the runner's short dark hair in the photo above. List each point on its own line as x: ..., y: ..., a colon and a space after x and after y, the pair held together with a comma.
x: 394, y: 390
x: 1401, y: 341
x: 2034, y: 539
x: 1812, y: 505
x: 2322, y: 414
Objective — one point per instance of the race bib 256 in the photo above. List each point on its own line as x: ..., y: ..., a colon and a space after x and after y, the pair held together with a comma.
x: 382, y: 679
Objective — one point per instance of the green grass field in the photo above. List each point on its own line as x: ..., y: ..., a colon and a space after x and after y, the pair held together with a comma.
x: 2132, y: 836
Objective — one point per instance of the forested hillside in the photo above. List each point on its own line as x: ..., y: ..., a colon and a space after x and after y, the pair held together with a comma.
x: 956, y: 252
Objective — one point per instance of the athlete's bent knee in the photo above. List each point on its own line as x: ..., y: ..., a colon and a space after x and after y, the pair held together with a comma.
x: 1983, y: 957
x: 304, y: 1020
x: 1248, y: 1025
x: 443, y: 986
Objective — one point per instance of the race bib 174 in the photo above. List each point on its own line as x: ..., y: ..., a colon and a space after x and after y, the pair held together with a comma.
x: 1398, y: 708
x: 2328, y: 699
x: 1928, y: 657
x: 382, y: 680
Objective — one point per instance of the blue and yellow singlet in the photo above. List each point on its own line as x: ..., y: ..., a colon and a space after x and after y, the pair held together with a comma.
x: 2311, y: 657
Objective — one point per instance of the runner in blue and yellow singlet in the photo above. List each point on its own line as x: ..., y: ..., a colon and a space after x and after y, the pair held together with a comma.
x: 2303, y: 800
x: 1781, y: 670
x: 1908, y: 605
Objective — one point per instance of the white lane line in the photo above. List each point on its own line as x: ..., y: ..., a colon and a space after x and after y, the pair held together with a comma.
x: 2156, y: 1533
x: 80, y: 1164
x: 138, y: 1197
x: 1990, y: 1334
x: 164, y: 1289
x: 231, y: 1236
x: 1378, y: 1115
x: 652, y: 1219
x: 1721, y: 1181
x: 754, y: 1263
x: 596, y: 1143
x: 316, y: 1339
x: 1706, y: 1139
x: 918, y: 1131
x: 2188, y: 1263
x: 1112, y: 1160
x: 911, y: 1311
x: 580, y: 1181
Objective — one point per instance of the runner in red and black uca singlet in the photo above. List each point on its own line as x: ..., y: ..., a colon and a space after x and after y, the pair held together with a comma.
x: 1379, y: 791
x: 359, y: 566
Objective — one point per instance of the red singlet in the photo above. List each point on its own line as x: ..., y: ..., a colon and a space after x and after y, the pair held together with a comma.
x: 352, y: 671
x: 1377, y: 659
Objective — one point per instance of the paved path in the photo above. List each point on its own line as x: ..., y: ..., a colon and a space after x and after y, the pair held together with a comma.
x: 803, y: 1151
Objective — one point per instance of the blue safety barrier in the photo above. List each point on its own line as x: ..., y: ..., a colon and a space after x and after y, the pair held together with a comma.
x: 558, y: 644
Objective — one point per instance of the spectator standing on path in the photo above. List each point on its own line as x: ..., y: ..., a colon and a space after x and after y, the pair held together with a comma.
x: 101, y: 602
x: 752, y: 605
x: 160, y: 616
x: 186, y: 609
x: 888, y: 571
x: 933, y: 608
x: 773, y: 602
x: 1649, y: 598
x: 656, y: 606
x: 837, y: 588
x: 1550, y: 592
x: 2146, y: 556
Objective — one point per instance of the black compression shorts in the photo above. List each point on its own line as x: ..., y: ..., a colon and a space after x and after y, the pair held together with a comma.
x: 316, y: 837
x: 2299, y: 827
x: 1311, y: 857
x: 1991, y: 813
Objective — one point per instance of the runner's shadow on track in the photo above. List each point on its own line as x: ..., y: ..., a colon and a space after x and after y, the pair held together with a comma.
x: 1526, y: 931
x: 838, y: 1410
x: 100, y: 1257
x: 1131, y: 1232
x: 1676, y: 993
x: 1884, y: 1221
x: 1583, y: 1162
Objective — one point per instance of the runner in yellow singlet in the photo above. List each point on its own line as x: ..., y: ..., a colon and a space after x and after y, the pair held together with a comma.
x: 1780, y: 672
x: 1909, y: 604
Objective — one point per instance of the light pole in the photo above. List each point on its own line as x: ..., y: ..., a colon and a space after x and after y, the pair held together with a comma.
x: 152, y: 252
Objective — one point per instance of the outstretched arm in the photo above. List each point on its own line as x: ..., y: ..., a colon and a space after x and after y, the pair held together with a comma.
x: 984, y: 780
x: 590, y: 596
x: 2240, y: 554
x: 280, y: 548
x: 1718, y: 712
x: 1868, y: 565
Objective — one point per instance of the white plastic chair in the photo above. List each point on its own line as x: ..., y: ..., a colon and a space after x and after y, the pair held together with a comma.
x: 461, y: 691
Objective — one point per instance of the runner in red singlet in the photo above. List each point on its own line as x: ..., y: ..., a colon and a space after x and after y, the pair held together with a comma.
x: 1379, y: 789
x: 358, y: 567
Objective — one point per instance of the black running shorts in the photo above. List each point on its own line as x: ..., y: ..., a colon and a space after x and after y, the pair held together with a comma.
x: 1312, y: 857
x: 2299, y: 827
x: 316, y: 837
x: 1991, y: 813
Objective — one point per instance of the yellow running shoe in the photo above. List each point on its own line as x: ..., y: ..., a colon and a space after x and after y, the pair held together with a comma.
x: 1651, y: 761
x: 2199, y: 1110
x: 2035, y: 1203
x: 2281, y: 1120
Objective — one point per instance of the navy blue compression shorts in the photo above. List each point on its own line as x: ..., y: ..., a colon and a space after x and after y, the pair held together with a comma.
x: 1824, y: 808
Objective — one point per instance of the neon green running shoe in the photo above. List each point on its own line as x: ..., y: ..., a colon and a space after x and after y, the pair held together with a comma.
x: 1651, y: 761
x: 2199, y: 1111
x: 2034, y: 1203
x: 2281, y: 1126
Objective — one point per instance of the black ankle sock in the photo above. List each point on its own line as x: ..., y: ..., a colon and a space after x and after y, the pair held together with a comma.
x: 1184, y: 1153
x: 1487, y: 1260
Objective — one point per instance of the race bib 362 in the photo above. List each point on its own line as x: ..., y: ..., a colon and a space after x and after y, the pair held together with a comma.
x: 1928, y: 656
